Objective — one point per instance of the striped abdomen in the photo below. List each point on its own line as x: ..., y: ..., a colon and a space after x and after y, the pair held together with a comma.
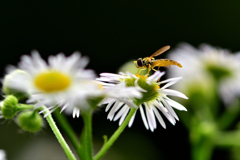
x: 165, y: 62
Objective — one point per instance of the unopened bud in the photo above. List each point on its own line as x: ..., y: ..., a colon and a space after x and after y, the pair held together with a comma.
x: 30, y: 121
x: 10, y: 107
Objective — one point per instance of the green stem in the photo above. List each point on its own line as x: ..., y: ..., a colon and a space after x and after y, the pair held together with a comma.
x: 202, y: 150
x: 25, y: 106
x: 87, y: 136
x: 58, y: 135
x: 228, y: 139
x: 68, y: 130
x: 114, y: 137
x: 202, y: 139
x: 228, y: 117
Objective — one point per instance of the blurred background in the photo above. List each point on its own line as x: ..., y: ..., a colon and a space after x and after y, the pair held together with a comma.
x: 111, y: 33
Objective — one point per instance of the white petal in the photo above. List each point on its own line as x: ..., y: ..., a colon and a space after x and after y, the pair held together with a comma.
x: 38, y: 59
x: 83, y: 62
x: 119, y: 106
x: 113, y: 110
x: 49, y: 113
x: 105, y: 84
x: 46, y: 109
x: 175, y: 104
x: 75, y: 61
x: 123, y: 116
x: 159, y: 117
x: 169, y: 108
x: 105, y: 101
x: 171, y: 92
x: 150, y: 117
x: 64, y: 107
x: 109, y: 105
x: 49, y: 108
x: 143, y: 117
x: 172, y: 81
x: 121, y: 112
x: 106, y: 79
x: 132, y: 119
x: 76, y: 112
x: 128, y: 102
x: 155, y: 77
x: 109, y: 75
x: 166, y: 114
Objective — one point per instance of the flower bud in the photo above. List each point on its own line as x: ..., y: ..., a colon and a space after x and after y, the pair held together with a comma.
x: 30, y: 121
x: 10, y: 107
x: 13, y: 84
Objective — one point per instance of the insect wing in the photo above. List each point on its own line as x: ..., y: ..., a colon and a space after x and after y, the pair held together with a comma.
x: 160, y: 51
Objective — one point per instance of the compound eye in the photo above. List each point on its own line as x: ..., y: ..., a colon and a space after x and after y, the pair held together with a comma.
x: 139, y: 62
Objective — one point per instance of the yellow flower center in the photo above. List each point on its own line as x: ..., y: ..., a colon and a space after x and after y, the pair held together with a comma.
x: 52, y: 81
x: 151, y: 89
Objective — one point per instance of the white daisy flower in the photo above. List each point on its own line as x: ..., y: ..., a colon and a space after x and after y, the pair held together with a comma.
x: 208, y: 65
x: 2, y: 155
x: 61, y: 81
x: 153, y: 101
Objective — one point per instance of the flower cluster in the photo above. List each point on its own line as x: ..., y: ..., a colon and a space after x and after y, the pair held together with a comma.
x: 64, y: 82
x: 38, y: 87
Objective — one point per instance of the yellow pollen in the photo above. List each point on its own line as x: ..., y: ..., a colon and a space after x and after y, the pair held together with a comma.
x: 157, y: 87
x: 52, y: 81
x: 137, y: 75
x: 141, y: 76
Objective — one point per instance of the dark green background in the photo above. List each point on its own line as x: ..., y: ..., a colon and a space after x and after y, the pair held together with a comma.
x: 111, y: 33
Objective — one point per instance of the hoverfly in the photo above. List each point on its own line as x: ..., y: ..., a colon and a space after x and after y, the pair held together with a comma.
x: 150, y: 62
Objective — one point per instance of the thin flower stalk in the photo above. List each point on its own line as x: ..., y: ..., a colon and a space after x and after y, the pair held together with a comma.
x: 58, y: 135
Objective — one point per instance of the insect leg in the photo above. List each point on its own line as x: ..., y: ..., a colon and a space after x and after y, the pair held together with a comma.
x: 140, y: 69
x: 149, y: 69
x: 152, y: 67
